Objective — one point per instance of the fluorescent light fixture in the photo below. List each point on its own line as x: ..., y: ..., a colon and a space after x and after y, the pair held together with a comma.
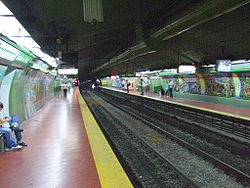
x: 142, y: 73
x: 170, y: 71
x: 50, y: 60
x: 11, y: 28
x: 240, y: 61
x: 154, y: 77
x: 187, y: 69
x: 4, y: 10
x: 68, y: 71
x: 93, y: 11
x: 209, y: 66
x: 27, y: 42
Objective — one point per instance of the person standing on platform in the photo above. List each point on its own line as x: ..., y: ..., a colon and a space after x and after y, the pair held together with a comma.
x: 142, y: 86
x: 65, y: 88
x: 167, y: 90
x: 171, y: 85
x: 127, y: 85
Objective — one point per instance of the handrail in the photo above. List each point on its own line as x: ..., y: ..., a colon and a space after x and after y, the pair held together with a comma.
x: 230, y: 124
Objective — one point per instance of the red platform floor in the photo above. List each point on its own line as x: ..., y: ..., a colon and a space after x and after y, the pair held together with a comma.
x: 225, y: 109
x: 58, y: 155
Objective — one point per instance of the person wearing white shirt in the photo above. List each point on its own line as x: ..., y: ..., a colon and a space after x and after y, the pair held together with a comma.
x: 8, y: 125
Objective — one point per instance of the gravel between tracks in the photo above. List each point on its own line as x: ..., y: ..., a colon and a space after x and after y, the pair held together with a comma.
x: 199, y: 170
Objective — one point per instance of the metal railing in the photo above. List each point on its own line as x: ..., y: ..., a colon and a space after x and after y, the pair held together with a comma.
x: 229, y: 124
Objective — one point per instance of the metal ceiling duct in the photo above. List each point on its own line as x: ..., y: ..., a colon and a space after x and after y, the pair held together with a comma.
x: 93, y: 11
x: 134, y: 52
x: 201, y: 12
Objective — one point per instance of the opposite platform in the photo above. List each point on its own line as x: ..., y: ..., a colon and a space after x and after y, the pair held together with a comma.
x: 228, y: 110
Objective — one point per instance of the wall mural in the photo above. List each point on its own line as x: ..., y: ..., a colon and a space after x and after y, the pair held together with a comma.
x: 223, y: 84
x: 245, y: 77
x: 214, y: 84
x: 242, y: 84
x: 218, y: 84
x: 185, y: 83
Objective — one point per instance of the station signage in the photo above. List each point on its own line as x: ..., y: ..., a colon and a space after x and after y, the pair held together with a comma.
x: 10, y: 53
x: 7, y: 51
x: 127, y: 75
x: 23, y: 58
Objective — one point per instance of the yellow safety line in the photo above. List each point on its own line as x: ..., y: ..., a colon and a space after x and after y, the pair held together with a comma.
x: 110, y: 171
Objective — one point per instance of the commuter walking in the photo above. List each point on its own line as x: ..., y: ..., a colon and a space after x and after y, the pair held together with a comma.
x: 65, y: 88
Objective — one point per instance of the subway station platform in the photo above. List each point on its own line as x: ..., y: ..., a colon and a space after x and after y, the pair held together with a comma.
x: 238, y: 108
x: 66, y: 149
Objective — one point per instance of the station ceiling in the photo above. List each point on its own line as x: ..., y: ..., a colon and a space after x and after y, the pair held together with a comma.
x: 137, y: 35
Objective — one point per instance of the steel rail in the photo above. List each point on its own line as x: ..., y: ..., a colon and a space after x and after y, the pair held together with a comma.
x: 228, y: 169
x: 151, y: 149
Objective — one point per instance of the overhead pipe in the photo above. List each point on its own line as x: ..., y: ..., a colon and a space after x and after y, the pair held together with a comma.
x: 199, y: 13
x: 132, y: 53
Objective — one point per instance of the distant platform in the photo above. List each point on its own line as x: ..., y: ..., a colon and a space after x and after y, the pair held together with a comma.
x: 230, y: 109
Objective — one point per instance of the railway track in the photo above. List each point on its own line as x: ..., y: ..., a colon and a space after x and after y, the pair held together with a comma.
x: 137, y: 112
x: 234, y: 146
x: 154, y: 148
x: 148, y: 170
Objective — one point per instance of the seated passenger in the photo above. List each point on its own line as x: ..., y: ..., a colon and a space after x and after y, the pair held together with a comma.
x: 162, y: 92
x: 10, y: 141
x: 12, y: 124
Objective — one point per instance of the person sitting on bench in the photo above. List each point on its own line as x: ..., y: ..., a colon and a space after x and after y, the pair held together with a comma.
x: 12, y: 123
x: 10, y: 141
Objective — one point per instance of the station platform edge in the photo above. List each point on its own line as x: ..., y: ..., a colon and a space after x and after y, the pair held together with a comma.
x: 222, y: 109
x: 109, y: 169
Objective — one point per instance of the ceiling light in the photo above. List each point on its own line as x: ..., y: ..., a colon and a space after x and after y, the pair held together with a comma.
x: 68, y: 71
x: 93, y: 11
x: 4, y: 10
